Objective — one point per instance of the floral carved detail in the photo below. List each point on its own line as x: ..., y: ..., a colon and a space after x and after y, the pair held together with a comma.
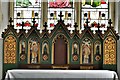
x: 45, y: 57
x: 110, y: 51
x: 10, y: 50
x: 75, y: 57
x: 97, y: 58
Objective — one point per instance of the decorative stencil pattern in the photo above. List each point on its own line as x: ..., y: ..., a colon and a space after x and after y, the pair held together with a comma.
x: 10, y: 50
x: 110, y: 51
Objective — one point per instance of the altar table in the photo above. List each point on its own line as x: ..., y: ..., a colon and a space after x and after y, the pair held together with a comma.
x: 60, y: 75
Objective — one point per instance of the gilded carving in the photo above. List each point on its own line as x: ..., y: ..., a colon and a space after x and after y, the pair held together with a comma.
x: 110, y: 50
x: 86, y: 51
x: 33, y: 51
x: 10, y: 50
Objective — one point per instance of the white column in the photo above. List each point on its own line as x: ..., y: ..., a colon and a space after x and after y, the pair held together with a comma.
x: 11, y: 9
x: 112, y: 12
x: 118, y: 58
x: 44, y: 13
x: 4, y: 22
x: 78, y: 13
x: 116, y: 16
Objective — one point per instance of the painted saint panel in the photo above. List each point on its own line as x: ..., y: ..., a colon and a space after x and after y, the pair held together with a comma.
x: 110, y: 50
x: 86, y: 51
x: 45, y: 51
x: 10, y: 50
x: 22, y: 51
x: 75, y: 51
x: 33, y: 51
x: 97, y: 51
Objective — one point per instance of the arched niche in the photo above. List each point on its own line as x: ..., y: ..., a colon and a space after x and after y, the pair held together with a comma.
x: 33, y: 51
x: 60, y: 50
x: 75, y: 51
x: 45, y: 50
x: 22, y: 50
x: 86, y: 56
x: 97, y: 51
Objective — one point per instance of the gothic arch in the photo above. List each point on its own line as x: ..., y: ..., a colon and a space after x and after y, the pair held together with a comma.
x: 58, y: 36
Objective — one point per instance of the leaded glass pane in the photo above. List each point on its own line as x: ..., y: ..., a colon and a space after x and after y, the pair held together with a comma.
x: 25, y: 11
x: 54, y: 8
x: 96, y: 11
x: 61, y: 3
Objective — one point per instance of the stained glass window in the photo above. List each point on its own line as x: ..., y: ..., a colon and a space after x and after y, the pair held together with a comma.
x: 54, y: 8
x: 25, y: 11
x: 96, y: 11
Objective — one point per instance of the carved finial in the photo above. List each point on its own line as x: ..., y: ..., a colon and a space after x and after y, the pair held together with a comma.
x: 60, y: 15
x: 34, y: 21
x: 75, y: 25
x: 109, y: 22
x: 98, y: 26
x: 45, y: 25
x: 87, y: 22
x: 22, y: 25
x: 10, y: 21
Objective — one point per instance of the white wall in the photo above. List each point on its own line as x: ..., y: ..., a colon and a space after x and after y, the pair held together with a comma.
x: 3, y: 25
x: 1, y: 43
x: 119, y: 17
x: 118, y: 58
x: 118, y: 48
x: 4, y: 12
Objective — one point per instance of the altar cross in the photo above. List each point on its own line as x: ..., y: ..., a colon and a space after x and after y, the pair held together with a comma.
x: 60, y: 15
x: 98, y: 26
x: 22, y: 25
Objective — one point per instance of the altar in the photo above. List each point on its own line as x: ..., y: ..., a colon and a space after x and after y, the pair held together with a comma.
x: 59, y: 49
x: 23, y: 74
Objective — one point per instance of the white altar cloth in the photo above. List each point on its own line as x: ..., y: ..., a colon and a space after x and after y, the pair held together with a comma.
x: 61, y: 74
